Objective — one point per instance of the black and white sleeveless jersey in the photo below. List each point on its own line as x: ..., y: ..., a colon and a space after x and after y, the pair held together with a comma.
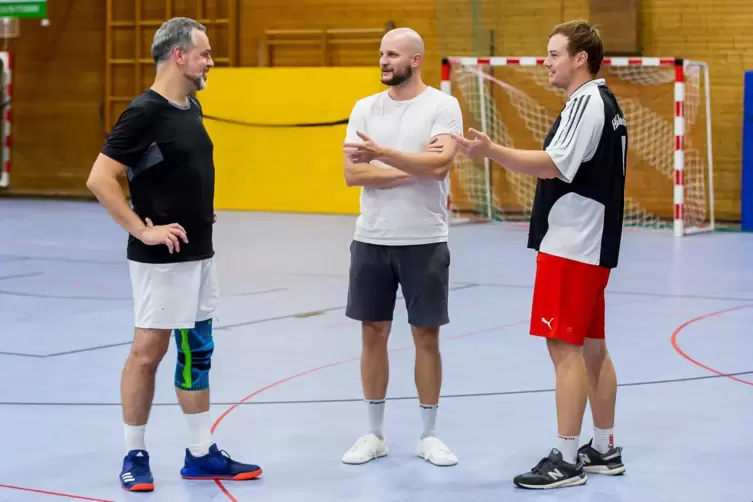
x: 579, y: 214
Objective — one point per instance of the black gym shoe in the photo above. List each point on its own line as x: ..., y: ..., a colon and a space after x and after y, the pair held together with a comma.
x: 609, y: 463
x: 552, y: 472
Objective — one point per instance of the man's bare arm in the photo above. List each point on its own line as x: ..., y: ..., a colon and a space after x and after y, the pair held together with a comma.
x: 426, y: 163
x: 534, y: 162
x: 369, y: 175
x: 103, y: 183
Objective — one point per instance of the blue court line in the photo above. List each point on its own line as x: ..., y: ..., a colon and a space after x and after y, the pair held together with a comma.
x: 218, y: 328
x: 19, y: 354
x: 60, y: 297
x: 113, y: 298
x: 21, y: 276
x: 14, y: 257
x: 633, y: 293
x: 400, y: 398
x: 459, y: 287
x: 67, y: 352
x: 313, y: 312
x: 261, y: 292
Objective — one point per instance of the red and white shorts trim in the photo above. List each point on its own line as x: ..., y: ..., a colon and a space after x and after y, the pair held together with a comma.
x: 568, y: 299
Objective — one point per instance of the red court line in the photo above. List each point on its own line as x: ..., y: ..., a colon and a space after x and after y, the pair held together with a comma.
x: 43, y: 492
x: 697, y: 363
x: 332, y: 365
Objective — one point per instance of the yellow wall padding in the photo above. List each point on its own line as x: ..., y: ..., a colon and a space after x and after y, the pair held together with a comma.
x: 266, y: 163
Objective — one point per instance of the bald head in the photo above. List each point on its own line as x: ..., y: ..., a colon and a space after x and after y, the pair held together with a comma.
x: 402, y: 53
x: 409, y: 40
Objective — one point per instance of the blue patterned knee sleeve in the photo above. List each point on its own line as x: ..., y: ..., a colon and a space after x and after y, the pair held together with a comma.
x: 195, y: 347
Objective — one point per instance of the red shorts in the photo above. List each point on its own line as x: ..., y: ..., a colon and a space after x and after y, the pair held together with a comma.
x: 568, y: 299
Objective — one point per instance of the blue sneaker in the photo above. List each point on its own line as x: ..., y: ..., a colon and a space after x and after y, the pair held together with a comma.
x: 136, y: 475
x: 217, y: 465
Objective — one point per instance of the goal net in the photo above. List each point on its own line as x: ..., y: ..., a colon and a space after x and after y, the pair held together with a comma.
x: 666, y: 106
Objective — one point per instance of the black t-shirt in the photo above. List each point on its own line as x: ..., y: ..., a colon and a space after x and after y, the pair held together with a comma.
x: 168, y: 157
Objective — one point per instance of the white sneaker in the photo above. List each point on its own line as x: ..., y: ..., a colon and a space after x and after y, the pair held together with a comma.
x: 436, y: 452
x: 368, y: 447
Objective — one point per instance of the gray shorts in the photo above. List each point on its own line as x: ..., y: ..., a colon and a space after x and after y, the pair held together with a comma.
x: 422, y: 271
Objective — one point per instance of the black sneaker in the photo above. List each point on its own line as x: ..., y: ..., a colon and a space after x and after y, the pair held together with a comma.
x: 609, y: 463
x: 552, y: 472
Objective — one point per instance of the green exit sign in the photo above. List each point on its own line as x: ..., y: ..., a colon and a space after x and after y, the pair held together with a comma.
x: 23, y: 8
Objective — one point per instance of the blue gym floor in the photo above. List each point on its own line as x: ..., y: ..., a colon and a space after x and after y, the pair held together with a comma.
x: 678, y: 323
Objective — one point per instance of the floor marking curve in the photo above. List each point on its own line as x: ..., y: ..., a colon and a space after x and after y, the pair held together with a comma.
x: 683, y: 354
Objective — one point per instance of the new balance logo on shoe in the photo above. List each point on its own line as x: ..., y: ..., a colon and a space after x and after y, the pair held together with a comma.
x: 556, y: 474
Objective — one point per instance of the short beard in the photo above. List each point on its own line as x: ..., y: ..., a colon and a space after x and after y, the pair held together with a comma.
x: 399, y: 79
x: 197, y: 83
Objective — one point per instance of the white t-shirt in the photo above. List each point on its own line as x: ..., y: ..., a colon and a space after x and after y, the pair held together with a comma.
x: 415, y: 213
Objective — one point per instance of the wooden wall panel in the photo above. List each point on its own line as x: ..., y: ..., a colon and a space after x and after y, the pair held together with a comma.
x: 260, y: 15
x: 718, y: 32
x: 57, y: 97
x: 59, y: 87
x: 132, y: 32
x: 59, y: 70
x: 619, y: 21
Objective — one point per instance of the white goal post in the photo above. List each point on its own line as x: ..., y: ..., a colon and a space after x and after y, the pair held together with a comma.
x: 667, y: 107
x: 6, y: 98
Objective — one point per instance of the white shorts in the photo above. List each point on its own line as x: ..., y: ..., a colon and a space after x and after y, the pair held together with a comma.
x: 173, y: 295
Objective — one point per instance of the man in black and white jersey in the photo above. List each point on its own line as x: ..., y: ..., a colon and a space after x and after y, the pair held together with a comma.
x: 576, y: 227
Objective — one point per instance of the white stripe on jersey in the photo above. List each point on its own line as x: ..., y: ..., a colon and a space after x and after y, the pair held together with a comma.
x: 570, y: 121
x: 572, y: 129
x: 578, y: 132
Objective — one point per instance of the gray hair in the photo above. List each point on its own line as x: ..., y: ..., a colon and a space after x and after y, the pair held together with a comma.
x: 177, y: 32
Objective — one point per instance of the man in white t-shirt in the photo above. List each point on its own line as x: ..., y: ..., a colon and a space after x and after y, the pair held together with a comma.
x: 399, y: 148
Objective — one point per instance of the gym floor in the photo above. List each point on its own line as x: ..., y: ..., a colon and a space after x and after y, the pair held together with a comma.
x: 285, y: 381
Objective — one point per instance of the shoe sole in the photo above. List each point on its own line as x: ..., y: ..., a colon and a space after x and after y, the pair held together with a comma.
x: 143, y: 487
x: 604, y: 470
x: 244, y: 476
x: 420, y: 453
x: 365, y: 461
x: 421, y: 456
x: 559, y: 484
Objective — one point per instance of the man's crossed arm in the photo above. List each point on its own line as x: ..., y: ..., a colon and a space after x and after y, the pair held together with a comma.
x: 434, y: 162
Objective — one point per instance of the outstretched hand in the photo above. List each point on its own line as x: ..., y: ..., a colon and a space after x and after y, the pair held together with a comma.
x: 477, y: 145
x: 361, y: 153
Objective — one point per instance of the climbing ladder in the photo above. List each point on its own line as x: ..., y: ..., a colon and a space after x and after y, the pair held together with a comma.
x: 131, y: 24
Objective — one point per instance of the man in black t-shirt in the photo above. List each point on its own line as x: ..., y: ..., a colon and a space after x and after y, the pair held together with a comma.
x: 576, y: 227
x: 160, y: 144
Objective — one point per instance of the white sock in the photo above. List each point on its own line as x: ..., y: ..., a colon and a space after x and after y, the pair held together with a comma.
x: 376, y: 416
x: 199, y: 426
x: 603, y: 440
x: 569, y: 448
x: 134, y: 437
x: 429, y: 418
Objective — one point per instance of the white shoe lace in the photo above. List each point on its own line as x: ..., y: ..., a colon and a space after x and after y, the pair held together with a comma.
x: 435, y: 446
x: 365, y: 443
